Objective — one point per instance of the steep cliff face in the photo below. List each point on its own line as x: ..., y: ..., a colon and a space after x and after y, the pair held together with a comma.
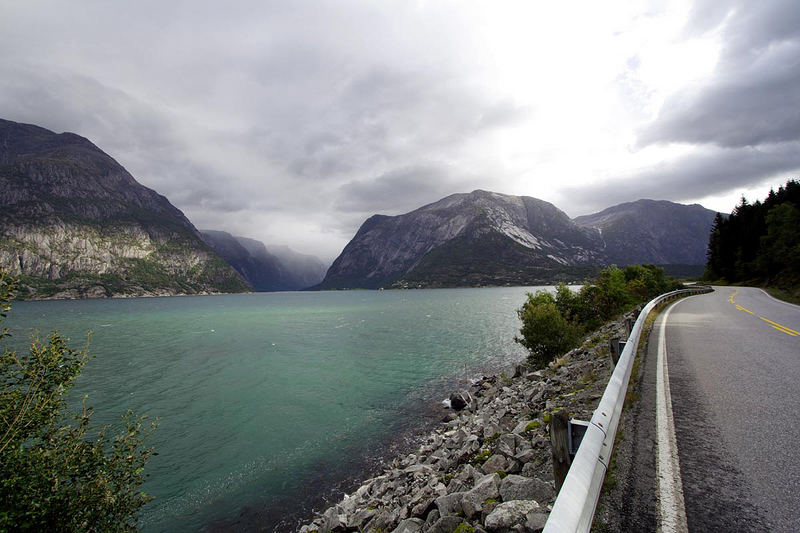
x: 74, y: 223
x: 466, y: 239
x: 651, y: 231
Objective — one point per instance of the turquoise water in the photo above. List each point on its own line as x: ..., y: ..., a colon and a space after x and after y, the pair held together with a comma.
x: 267, y: 400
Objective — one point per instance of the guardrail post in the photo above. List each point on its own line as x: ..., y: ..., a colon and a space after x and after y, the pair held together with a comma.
x: 615, y: 349
x: 559, y: 441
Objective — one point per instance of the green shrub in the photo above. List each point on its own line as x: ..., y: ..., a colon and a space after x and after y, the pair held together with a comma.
x: 545, y: 332
x: 54, y: 475
x: 553, y: 324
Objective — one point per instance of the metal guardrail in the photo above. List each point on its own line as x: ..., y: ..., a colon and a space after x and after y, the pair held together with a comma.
x: 575, y: 505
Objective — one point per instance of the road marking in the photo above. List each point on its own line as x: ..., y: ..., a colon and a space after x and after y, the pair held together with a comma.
x: 781, y: 327
x: 771, y: 297
x: 672, y: 512
x: 775, y: 325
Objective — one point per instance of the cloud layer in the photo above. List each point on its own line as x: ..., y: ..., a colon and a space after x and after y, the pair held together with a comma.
x: 291, y: 122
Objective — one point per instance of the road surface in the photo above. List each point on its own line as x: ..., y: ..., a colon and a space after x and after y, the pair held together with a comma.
x: 733, y: 367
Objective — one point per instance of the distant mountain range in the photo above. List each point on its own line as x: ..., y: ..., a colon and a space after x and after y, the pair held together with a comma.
x: 74, y: 224
x: 487, y: 238
x: 277, y: 268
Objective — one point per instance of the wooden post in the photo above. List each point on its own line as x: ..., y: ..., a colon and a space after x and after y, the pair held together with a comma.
x: 559, y: 441
x: 629, y: 325
x: 613, y: 347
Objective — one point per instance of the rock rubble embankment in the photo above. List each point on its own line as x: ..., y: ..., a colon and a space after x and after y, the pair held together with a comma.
x: 488, y: 467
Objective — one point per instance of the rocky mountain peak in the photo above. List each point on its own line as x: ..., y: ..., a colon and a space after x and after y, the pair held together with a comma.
x: 75, y: 223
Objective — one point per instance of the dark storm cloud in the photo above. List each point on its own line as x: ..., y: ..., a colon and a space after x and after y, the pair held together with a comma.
x: 752, y: 98
x: 706, y: 172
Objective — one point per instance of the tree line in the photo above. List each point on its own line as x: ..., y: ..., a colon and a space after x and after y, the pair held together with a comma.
x: 759, y: 243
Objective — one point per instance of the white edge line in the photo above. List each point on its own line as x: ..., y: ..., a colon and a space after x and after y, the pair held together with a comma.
x: 672, y: 512
x: 771, y: 297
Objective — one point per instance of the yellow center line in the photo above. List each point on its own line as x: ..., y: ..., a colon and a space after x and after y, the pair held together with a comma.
x: 783, y: 331
x: 781, y: 327
x: 775, y: 325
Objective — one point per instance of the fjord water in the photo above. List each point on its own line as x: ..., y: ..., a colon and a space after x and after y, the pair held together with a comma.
x: 267, y: 400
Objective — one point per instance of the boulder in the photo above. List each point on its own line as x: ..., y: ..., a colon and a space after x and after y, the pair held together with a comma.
x: 486, y: 488
x: 450, y: 504
x: 515, y: 487
x: 431, y: 519
x: 409, y: 525
x: 519, y: 429
x: 510, y: 514
x: 446, y: 524
x: 494, y: 463
x: 460, y: 400
x: 535, y: 522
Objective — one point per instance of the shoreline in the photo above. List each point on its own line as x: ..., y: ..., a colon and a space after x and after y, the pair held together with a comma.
x: 488, y: 467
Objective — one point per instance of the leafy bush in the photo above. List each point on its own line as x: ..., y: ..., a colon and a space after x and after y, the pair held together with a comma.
x: 54, y: 475
x: 554, y: 324
x: 545, y: 331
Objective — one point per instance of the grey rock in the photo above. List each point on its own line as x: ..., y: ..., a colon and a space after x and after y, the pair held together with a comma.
x: 488, y: 487
x: 446, y: 524
x: 494, y: 463
x: 431, y: 519
x: 332, y: 521
x: 456, y: 485
x: 460, y: 400
x: 450, y: 504
x: 509, y: 514
x: 506, y: 444
x: 519, y: 429
x: 515, y: 487
x: 384, y: 520
x: 361, y: 517
x: 514, y: 467
x: 417, y: 468
x: 534, y: 522
x: 409, y: 525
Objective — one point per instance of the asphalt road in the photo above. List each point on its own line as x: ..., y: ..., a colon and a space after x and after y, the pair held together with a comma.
x: 735, y: 387
x: 734, y: 368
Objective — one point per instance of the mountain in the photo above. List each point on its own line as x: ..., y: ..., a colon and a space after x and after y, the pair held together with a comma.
x: 651, y: 231
x: 486, y: 238
x: 278, y: 268
x: 467, y: 239
x: 298, y: 271
x: 74, y: 223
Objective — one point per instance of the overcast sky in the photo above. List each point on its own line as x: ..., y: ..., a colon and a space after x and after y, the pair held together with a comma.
x: 292, y: 121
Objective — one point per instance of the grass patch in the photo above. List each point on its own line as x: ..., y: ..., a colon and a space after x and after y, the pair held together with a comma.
x: 481, y: 457
x: 792, y: 296
x: 533, y: 425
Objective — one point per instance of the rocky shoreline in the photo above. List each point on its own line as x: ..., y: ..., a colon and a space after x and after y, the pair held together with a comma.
x: 488, y: 466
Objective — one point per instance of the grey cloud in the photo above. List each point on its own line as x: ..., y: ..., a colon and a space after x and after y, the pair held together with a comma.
x: 753, y: 97
x: 707, y: 172
x: 402, y: 190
